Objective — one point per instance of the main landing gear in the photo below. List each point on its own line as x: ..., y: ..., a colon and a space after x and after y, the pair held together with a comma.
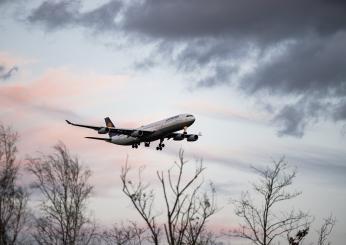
x: 184, y: 132
x: 160, y: 146
x: 135, y: 146
x: 147, y: 144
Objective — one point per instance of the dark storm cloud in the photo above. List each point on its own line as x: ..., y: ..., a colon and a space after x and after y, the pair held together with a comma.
x: 54, y: 15
x: 304, y: 40
x: 268, y: 20
x: 6, y: 74
x: 309, y: 65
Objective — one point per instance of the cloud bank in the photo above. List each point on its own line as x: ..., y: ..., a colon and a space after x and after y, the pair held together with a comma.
x: 291, y: 50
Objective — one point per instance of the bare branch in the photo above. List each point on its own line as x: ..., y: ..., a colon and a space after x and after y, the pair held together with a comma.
x: 325, y: 230
x: 13, y: 198
x: 142, y: 199
x: 187, y: 209
x: 63, y: 183
x: 261, y: 225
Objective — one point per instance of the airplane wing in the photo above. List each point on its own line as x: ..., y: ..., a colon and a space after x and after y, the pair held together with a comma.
x: 97, y: 138
x: 84, y: 126
x: 129, y: 132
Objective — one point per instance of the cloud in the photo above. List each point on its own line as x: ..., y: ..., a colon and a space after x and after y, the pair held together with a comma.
x: 55, y: 94
x: 54, y: 15
x: 4, y: 75
x: 260, y: 48
x: 267, y: 21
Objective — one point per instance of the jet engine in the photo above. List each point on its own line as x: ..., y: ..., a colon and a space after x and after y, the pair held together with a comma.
x: 192, y: 137
x: 137, y: 133
x: 178, y: 137
x: 103, y: 130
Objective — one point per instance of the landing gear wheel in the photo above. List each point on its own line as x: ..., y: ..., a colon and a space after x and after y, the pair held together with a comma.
x: 160, y: 146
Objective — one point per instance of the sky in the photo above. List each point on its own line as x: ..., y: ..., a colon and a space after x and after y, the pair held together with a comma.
x: 264, y: 79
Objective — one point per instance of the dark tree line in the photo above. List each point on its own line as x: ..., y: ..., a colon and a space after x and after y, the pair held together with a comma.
x: 62, y: 184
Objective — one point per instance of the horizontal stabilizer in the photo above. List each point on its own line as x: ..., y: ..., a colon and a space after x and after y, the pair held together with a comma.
x: 96, y: 138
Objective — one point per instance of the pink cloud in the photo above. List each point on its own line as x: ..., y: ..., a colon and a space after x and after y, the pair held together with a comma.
x: 37, y: 108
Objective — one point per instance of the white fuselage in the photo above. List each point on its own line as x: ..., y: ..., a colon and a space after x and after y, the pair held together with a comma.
x: 160, y: 128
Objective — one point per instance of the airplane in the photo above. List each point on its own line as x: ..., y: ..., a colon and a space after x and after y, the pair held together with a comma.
x: 160, y: 130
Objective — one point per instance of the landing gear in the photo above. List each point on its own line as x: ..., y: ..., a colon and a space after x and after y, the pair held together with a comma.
x: 185, y: 128
x: 147, y: 144
x: 135, y: 146
x: 160, y: 146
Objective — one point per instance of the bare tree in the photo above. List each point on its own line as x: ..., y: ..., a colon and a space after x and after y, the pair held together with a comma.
x: 142, y: 199
x: 261, y: 223
x: 131, y: 234
x: 13, y: 198
x: 325, y: 230
x: 63, y: 183
x: 187, y: 209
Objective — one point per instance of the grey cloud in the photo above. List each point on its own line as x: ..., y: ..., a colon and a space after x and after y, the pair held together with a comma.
x: 291, y: 121
x: 339, y: 113
x: 308, y: 65
x: 256, y: 20
x: 53, y: 15
x: 102, y: 18
x: 4, y: 75
x: 221, y: 74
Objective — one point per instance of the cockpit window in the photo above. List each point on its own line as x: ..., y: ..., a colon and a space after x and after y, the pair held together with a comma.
x: 189, y: 116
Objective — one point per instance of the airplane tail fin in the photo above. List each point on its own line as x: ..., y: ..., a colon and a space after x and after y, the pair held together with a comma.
x: 109, y: 124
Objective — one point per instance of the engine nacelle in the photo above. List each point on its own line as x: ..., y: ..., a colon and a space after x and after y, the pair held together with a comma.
x: 137, y: 133
x: 178, y: 137
x: 192, y: 137
x: 103, y: 130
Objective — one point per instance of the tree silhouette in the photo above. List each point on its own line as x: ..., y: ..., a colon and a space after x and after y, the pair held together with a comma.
x: 187, y: 208
x: 325, y: 230
x: 63, y: 183
x: 13, y: 198
x: 261, y: 222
